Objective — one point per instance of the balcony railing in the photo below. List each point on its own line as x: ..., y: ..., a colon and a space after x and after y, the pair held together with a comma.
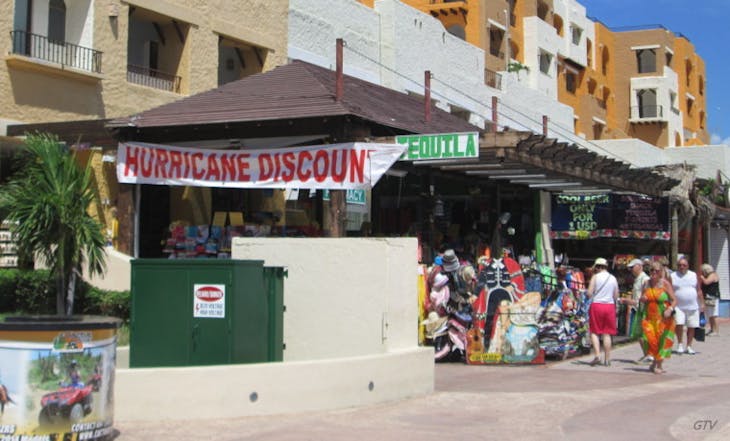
x: 497, y: 53
x: 144, y: 76
x: 61, y: 52
x: 646, y: 112
x: 493, y: 79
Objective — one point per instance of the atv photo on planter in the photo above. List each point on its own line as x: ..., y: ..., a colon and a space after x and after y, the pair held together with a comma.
x: 72, y: 401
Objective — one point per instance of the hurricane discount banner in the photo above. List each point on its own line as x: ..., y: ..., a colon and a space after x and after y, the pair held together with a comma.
x: 332, y: 166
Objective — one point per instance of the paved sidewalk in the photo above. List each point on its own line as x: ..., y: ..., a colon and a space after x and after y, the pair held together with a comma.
x: 566, y: 400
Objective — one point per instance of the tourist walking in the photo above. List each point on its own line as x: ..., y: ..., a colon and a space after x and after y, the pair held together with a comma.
x: 689, y: 303
x: 711, y: 292
x: 640, y: 279
x: 603, y: 291
x: 657, y: 318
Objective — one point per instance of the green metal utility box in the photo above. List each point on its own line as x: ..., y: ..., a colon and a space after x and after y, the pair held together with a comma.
x: 188, y: 312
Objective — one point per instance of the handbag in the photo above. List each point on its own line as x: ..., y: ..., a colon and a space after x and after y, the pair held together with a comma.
x: 700, y: 331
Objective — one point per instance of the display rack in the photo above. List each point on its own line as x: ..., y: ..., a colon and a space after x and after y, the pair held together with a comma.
x: 8, y: 247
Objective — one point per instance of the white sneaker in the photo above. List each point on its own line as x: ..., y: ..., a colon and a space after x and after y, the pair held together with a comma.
x: 680, y: 349
x: 690, y: 351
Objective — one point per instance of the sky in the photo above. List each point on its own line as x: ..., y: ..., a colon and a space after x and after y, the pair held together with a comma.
x: 704, y: 23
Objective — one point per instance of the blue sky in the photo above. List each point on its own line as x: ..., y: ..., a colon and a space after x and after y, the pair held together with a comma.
x: 704, y: 23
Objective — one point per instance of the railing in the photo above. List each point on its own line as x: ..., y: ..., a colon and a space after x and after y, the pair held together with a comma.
x: 493, y: 79
x: 61, y: 52
x: 497, y: 53
x: 144, y: 76
x: 640, y: 112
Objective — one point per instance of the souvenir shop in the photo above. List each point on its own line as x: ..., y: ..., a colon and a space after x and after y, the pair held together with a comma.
x: 619, y: 227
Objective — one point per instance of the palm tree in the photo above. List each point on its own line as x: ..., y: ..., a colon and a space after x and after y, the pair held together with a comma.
x: 48, y: 203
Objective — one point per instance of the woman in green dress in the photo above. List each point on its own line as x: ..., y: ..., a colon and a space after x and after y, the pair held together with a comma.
x: 657, y: 321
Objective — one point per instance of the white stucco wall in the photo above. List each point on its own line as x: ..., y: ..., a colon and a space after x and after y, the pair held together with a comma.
x: 634, y: 151
x: 663, y: 85
x: 708, y: 159
x: 574, y: 14
x: 344, y: 297
x: 540, y: 36
x: 232, y: 391
x: 399, y: 43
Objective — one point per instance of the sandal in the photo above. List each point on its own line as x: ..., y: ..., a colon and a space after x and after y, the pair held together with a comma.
x: 595, y: 361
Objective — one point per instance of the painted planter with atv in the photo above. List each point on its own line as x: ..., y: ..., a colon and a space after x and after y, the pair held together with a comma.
x: 43, y: 361
x: 67, y: 403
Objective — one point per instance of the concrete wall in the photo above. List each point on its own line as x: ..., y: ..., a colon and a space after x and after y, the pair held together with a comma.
x: 118, y: 272
x: 344, y: 297
x: 351, y: 334
x: 228, y: 391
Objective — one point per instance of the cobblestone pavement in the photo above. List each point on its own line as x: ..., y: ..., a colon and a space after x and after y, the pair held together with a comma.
x: 566, y: 400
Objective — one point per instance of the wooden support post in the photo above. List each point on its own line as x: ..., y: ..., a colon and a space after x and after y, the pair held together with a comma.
x: 427, y: 94
x: 339, y: 80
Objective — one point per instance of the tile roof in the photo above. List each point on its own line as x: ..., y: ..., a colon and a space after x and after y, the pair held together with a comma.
x: 298, y: 90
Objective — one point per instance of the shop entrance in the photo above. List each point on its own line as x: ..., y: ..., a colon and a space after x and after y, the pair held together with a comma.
x: 155, y: 221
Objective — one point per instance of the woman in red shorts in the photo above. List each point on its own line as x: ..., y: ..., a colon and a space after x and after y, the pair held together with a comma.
x: 603, y: 290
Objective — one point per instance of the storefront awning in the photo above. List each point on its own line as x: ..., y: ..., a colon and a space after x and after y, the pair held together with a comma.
x: 541, y: 163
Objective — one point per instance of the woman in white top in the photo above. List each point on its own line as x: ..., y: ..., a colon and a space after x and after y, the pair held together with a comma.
x: 603, y: 289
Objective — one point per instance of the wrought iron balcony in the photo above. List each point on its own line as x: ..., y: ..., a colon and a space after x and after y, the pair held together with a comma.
x: 493, y: 79
x: 647, y: 112
x: 61, y: 52
x: 144, y: 76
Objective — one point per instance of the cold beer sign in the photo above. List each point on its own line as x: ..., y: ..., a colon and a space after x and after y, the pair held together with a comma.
x: 439, y: 146
x: 345, y: 166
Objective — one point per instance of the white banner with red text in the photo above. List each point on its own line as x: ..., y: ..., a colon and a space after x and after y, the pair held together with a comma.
x: 345, y: 166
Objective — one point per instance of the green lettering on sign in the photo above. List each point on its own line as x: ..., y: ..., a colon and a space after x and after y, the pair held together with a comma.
x: 356, y: 197
x: 439, y: 146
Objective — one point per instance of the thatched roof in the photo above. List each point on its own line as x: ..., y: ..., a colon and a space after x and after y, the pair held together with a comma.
x: 689, y: 201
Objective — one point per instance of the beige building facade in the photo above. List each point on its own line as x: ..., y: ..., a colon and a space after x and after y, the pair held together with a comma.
x: 74, y: 60
x: 90, y: 59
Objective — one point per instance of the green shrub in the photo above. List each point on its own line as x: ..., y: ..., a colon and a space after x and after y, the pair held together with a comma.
x: 27, y: 292
x: 95, y: 301
x: 33, y: 292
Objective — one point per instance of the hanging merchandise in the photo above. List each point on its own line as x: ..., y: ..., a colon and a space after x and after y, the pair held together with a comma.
x: 505, y: 327
x: 563, y: 323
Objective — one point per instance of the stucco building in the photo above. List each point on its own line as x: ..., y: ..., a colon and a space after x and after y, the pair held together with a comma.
x: 643, y: 83
x: 91, y: 60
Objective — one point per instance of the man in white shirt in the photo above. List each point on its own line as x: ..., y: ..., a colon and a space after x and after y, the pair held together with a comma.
x: 690, y: 303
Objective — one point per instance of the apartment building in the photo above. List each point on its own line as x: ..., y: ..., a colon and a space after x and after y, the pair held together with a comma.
x: 87, y: 61
x: 643, y: 83
x: 91, y: 59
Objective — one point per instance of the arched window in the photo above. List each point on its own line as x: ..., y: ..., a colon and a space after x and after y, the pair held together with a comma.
x: 605, y: 58
x: 589, y: 52
x: 558, y: 24
x: 57, y: 21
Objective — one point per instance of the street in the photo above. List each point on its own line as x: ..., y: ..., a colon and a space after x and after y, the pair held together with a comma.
x: 564, y: 400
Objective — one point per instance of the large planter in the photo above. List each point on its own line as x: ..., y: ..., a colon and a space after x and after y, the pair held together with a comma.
x: 57, y: 377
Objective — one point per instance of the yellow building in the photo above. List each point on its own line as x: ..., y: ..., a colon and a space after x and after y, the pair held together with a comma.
x: 622, y: 83
x: 92, y: 60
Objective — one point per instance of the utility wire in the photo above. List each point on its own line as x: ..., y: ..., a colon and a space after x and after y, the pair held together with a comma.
x: 556, y: 127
